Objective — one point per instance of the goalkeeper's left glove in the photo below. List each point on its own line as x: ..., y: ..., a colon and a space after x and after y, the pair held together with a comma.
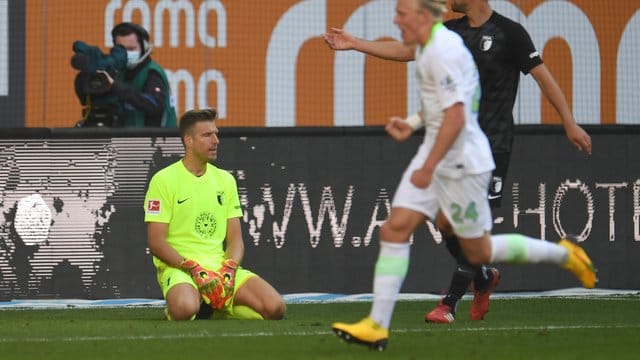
x: 228, y: 274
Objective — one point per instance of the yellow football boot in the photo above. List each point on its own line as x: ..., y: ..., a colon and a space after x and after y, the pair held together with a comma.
x: 365, y: 332
x: 579, y: 264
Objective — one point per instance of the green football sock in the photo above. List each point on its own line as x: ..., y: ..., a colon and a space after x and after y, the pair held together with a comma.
x: 245, y: 313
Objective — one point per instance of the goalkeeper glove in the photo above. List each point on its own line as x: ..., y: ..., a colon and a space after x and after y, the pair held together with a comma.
x: 206, y: 280
x: 217, y: 297
x: 228, y: 274
x: 209, y: 283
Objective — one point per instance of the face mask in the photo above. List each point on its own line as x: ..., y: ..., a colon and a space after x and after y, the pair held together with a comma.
x: 132, y: 59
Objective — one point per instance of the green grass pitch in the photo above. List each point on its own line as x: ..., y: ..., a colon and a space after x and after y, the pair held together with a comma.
x: 538, y: 328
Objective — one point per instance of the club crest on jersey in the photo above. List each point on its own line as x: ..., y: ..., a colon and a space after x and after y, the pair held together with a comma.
x: 486, y: 42
x: 496, y: 184
x: 153, y: 207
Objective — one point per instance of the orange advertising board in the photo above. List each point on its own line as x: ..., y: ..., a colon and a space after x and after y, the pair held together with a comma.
x: 263, y: 63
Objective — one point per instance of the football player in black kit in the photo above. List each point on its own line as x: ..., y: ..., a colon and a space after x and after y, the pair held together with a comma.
x: 501, y: 49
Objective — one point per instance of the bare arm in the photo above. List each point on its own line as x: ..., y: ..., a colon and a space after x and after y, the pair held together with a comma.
x: 157, y: 241
x: 338, y: 39
x: 235, y: 244
x: 398, y: 129
x: 401, y: 129
x: 449, y: 131
x: 549, y: 87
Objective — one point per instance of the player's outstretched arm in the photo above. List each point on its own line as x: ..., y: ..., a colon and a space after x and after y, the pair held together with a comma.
x: 551, y: 90
x: 338, y: 39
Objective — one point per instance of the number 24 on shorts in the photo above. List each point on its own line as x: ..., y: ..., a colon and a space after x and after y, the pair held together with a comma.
x: 459, y: 214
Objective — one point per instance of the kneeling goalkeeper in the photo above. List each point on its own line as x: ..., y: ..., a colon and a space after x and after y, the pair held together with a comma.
x: 192, y: 211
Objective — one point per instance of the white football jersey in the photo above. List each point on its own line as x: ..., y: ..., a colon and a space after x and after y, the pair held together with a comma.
x: 448, y: 75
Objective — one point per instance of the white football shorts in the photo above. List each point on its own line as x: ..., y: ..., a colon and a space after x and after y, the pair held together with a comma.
x: 463, y: 201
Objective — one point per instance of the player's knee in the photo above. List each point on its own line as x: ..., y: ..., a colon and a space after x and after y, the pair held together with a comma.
x: 394, y: 231
x: 386, y: 232
x: 274, y: 310
x: 183, y: 308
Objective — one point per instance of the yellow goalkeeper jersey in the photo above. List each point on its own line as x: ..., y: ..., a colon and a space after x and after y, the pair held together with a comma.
x: 196, y: 209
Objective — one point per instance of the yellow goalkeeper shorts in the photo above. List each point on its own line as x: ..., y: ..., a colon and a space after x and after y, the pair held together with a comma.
x: 169, y: 277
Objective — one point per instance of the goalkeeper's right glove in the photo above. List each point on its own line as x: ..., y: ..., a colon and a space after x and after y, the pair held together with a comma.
x: 206, y: 280
x: 209, y: 283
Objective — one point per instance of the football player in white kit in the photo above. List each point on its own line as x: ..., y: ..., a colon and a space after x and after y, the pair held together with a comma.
x: 448, y: 178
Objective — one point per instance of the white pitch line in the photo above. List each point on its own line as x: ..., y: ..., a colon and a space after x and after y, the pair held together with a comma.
x: 206, y: 334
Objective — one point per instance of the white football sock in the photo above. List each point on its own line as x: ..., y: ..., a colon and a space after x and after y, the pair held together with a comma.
x: 518, y: 248
x: 391, y: 269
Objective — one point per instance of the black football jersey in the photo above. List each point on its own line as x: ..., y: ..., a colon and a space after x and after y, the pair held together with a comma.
x: 502, y: 49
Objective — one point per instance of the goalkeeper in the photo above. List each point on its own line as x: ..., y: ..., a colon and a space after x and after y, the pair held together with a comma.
x: 192, y: 211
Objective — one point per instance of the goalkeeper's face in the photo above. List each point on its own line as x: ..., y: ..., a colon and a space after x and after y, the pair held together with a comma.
x: 204, y: 141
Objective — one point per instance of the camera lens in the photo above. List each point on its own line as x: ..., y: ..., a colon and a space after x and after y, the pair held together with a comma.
x: 98, y: 83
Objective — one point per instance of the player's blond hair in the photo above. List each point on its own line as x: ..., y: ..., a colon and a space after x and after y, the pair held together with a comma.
x: 435, y: 7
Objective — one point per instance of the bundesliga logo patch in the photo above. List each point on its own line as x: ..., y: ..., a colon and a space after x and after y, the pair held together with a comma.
x: 153, y: 207
x: 447, y: 84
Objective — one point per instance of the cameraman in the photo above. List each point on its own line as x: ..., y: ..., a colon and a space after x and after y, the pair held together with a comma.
x: 141, y: 89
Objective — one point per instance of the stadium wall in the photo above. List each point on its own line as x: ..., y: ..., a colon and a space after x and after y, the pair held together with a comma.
x: 263, y: 63
x: 313, y: 200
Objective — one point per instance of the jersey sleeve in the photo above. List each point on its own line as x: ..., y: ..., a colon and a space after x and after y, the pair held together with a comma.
x: 158, y: 206
x: 526, y: 55
x: 234, y: 209
x: 448, y: 82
